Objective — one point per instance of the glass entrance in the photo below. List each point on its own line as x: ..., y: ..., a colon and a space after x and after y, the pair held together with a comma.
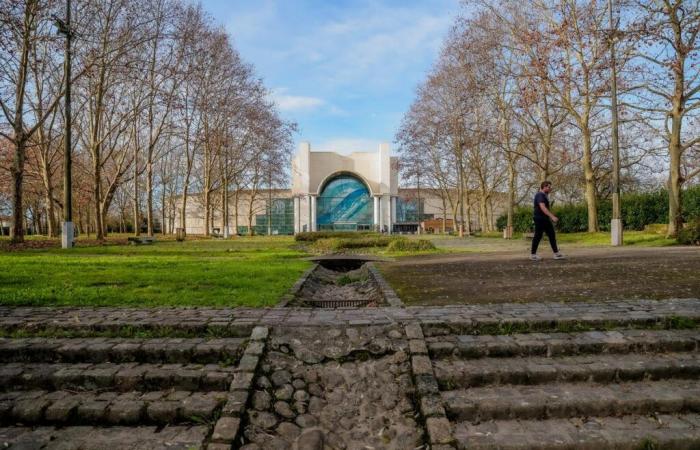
x: 344, y: 204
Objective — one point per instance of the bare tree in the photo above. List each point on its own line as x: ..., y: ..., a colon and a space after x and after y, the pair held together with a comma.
x: 670, y: 50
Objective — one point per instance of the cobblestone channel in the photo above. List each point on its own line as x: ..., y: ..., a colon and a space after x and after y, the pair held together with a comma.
x: 622, y: 375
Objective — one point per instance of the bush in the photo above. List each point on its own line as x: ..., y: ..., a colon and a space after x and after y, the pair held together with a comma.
x: 690, y: 234
x: 336, y: 244
x: 409, y: 245
x: 638, y: 211
x: 522, y: 220
x: 313, y: 236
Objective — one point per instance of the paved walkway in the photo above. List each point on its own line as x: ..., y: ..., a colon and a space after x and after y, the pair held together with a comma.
x: 525, y: 376
x: 244, y: 319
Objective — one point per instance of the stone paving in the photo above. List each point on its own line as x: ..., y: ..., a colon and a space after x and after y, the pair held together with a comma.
x: 240, y: 321
x: 616, y: 374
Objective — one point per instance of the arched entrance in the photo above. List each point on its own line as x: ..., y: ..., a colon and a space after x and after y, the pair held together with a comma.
x: 344, y: 204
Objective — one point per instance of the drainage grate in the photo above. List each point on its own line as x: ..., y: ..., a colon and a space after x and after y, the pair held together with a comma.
x: 338, y: 303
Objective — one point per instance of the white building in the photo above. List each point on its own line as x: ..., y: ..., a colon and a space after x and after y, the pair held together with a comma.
x: 330, y: 191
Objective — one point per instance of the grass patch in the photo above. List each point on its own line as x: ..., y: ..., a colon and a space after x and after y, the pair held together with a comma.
x: 246, y: 271
x: 410, y: 245
x: 646, y: 238
x: 637, y: 238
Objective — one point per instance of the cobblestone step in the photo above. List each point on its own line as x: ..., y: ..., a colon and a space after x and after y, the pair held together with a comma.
x: 567, y: 400
x: 97, y: 350
x: 110, y: 408
x: 92, y: 438
x: 453, y: 374
x: 554, y: 344
x: 117, y: 377
x: 634, y: 432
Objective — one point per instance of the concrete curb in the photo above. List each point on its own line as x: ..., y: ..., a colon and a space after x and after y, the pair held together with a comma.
x: 387, y: 291
x: 431, y: 408
x: 294, y: 290
x: 228, y: 427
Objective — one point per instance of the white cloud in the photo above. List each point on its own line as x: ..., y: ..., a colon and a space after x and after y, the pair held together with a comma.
x: 376, y: 45
x: 295, y: 103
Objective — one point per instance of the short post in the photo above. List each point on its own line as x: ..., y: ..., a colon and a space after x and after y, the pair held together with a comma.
x: 180, y: 234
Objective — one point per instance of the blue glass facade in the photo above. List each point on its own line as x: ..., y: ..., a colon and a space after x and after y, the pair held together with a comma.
x: 344, y: 204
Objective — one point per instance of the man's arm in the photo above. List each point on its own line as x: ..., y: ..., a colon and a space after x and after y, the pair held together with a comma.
x: 546, y: 212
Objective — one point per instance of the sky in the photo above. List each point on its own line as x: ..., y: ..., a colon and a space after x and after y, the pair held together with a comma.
x: 344, y: 70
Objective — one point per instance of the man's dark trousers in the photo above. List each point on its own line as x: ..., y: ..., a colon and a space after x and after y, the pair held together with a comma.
x: 544, y: 225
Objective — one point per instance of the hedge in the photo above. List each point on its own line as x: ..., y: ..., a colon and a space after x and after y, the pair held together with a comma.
x: 638, y: 210
x: 312, y: 236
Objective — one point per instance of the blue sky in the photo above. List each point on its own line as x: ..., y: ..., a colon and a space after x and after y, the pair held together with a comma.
x: 345, y: 71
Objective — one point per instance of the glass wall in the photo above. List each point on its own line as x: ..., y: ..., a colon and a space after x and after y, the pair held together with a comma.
x: 281, y: 215
x: 407, y: 209
x: 344, y: 204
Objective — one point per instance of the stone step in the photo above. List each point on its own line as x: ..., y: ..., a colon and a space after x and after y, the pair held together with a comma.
x: 110, y: 408
x: 117, y: 377
x: 454, y: 374
x: 95, y: 438
x: 633, y: 432
x: 554, y: 344
x: 566, y: 400
x: 120, y: 350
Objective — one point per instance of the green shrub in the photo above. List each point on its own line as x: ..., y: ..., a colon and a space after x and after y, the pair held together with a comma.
x: 409, y: 245
x: 336, y: 244
x: 638, y: 211
x: 522, y: 220
x: 690, y: 234
x: 313, y: 236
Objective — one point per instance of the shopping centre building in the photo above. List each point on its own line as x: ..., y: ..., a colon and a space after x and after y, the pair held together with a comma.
x: 332, y: 191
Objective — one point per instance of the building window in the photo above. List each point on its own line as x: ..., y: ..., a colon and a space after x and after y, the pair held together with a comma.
x: 344, y: 204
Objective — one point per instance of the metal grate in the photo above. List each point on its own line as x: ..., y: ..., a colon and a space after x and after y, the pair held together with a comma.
x: 337, y: 303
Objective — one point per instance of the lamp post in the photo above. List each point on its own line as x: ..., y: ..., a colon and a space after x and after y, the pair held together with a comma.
x: 616, y: 222
x: 67, y: 229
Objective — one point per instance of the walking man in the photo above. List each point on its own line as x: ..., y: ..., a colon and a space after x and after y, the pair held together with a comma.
x: 544, y: 222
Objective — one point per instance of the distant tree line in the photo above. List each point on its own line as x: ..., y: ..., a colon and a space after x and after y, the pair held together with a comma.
x: 163, y: 106
x: 521, y: 94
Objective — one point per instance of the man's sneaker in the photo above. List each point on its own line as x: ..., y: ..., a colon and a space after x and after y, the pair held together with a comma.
x: 534, y: 258
x: 559, y: 256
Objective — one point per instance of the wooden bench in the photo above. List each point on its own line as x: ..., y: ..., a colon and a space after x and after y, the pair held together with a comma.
x: 138, y: 240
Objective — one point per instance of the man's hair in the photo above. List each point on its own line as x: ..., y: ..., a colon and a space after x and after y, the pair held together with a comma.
x: 545, y: 184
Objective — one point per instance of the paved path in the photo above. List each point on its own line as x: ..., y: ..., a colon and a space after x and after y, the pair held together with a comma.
x: 244, y: 319
x: 615, y: 374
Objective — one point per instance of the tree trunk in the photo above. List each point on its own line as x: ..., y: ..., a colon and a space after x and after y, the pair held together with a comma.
x: 511, y: 199
x: 235, y: 211
x: 183, y: 209
x: 17, y: 231
x: 224, y: 217
x: 675, y: 180
x: 50, y: 212
x: 149, y: 195
x: 137, y: 212
x: 591, y: 199
x: 163, y: 230
x: 207, y: 214
x: 483, y: 212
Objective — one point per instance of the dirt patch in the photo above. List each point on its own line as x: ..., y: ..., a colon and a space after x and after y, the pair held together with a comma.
x: 587, y: 274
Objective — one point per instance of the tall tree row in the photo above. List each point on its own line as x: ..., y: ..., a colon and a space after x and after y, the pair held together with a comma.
x: 520, y: 93
x: 163, y: 106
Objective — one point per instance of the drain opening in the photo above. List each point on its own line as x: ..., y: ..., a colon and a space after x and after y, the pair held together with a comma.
x: 339, y: 282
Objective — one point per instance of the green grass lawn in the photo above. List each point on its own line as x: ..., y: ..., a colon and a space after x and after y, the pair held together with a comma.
x: 239, y: 272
